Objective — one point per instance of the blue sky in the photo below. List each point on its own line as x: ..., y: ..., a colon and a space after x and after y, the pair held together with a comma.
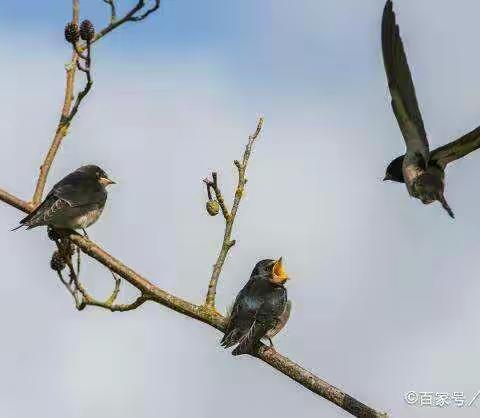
x: 385, y: 290
x: 267, y: 44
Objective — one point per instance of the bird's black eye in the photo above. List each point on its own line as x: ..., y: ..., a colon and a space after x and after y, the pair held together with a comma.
x: 98, y: 174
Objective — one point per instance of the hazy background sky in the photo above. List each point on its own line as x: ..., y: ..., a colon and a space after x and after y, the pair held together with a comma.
x: 384, y: 290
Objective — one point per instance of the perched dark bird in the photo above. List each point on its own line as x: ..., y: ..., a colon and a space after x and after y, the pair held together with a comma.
x: 260, y: 310
x: 75, y: 202
x: 422, y: 171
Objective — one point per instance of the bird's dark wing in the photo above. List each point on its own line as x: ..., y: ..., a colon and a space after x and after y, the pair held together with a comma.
x: 257, y: 331
x: 400, y: 83
x: 43, y: 213
x: 241, y: 315
x: 72, y: 191
x: 78, y: 190
x: 456, y: 149
x: 266, y: 318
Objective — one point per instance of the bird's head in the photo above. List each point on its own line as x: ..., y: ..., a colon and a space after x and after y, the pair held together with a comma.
x: 96, y: 173
x: 272, y: 270
x: 394, y: 170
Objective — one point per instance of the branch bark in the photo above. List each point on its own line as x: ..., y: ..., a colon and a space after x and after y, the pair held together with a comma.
x: 62, y: 126
x: 113, y: 10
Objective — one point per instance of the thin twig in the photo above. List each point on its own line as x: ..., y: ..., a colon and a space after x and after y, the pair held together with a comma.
x: 86, y: 298
x: 62, y: 127
x: 68, y: 113
x: 213, y: 185
x: 88, y: 85
x: 72, y: 291
x: 145, y: 14
x: 116, y: 290
x: 113, y: 11
x: 229, y: 217
x: 130, y: 16
x: 120, y: 307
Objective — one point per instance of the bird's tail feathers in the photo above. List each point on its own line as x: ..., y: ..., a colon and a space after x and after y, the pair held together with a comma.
x: 248, y: 340
x: 230, y: 339
x: 245, y: 346
x: 445, y: 206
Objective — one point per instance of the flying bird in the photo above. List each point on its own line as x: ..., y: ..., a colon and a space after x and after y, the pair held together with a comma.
x: 422, y: 171
x: 261, y: 309
x: 75, y: 202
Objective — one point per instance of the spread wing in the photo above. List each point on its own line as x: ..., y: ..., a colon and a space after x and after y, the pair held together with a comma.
x: 456, y: 149
x: 400, y: 83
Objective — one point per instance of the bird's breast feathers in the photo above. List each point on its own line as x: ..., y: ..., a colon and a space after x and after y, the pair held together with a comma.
x: 87, y: 219
x: 412, y: 169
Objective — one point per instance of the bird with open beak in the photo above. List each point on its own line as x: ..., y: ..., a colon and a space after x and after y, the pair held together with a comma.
x: 260, y: 310
x: 422, y: 171
x: 75, y: 202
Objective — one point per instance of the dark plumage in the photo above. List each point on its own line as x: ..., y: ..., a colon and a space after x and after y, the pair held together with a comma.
x: 260, y: 310
x: 75, y: 202
x: 422, y: 171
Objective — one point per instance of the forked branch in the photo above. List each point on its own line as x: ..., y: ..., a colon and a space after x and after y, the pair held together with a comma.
x: 62, y: 258
x: 139, y: 12
x: 228, y: 216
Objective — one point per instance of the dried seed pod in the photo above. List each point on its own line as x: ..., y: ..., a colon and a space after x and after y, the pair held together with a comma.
x: 57, y: 262
x: 87, y: 31
x: 213, y: 207
x: 72, y: 34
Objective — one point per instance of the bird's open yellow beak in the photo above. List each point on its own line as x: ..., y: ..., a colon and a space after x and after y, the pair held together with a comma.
x: 279, y: 275
x: 106, y: 181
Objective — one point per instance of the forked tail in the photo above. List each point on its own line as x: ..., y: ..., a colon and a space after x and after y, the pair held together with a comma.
x: 445, y: 205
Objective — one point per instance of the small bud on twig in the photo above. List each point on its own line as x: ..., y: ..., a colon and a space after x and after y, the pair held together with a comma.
x: 72, y: 35
x: 87, y: 31
x: 213, y: 207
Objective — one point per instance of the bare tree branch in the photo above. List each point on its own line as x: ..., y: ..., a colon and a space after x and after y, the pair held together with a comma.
x: 210, y: 317
x: 229, y: 216
x: 68, y: 113
x: 131, y: 16
x: 82, y: 298
x: 62, y: 128
x: 113, y: 10
x: 87, y: 70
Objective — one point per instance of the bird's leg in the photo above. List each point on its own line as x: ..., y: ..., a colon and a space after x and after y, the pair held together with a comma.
x: 85, y: 233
